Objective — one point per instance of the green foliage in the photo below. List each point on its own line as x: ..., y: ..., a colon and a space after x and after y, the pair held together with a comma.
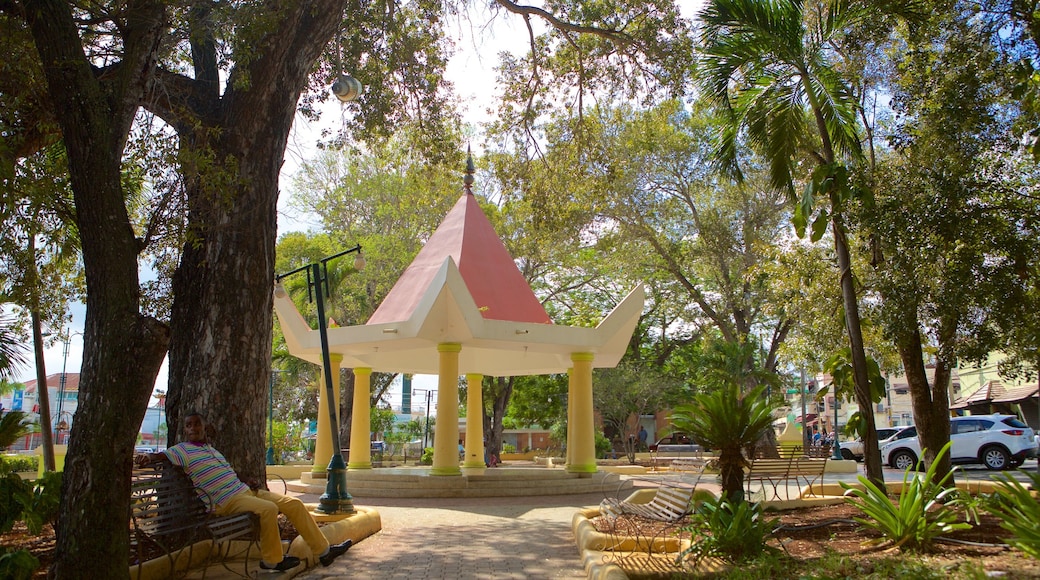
x: 17, y: 565
x: 603, y: 445
x: 1016, y: 505
x: 12, y: 350
x: 427, y: 456
x: 773, y: 565
x: 839, y: 367
x: 922, y: 512
x: 735, y: 532
x: 382, y: 420
x: 289, y: 442
x: 17, y: 463
x: 733, y: 415
x: 557, y: 435
x: 507, y: 448
x: 34, y: 502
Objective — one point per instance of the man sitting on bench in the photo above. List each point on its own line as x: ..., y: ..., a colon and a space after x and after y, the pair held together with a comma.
x: 210, y: 472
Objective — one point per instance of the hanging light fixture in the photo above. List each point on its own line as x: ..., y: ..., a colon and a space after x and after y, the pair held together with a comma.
x: 345, y: 87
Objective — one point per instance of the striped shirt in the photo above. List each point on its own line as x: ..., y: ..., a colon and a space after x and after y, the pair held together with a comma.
x: 215, y: 481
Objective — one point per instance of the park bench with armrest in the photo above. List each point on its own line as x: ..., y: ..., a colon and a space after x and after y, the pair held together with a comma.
x: 777, y: 473
x: 670, y: 504
x: 167, y: 514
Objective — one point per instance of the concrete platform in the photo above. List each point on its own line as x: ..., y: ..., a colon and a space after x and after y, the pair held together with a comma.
x: 508, y: 481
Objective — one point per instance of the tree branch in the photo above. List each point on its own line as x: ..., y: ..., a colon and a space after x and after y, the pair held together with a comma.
x: 616, y: 36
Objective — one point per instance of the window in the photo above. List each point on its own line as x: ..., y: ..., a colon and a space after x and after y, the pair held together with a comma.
x: 902, y: 391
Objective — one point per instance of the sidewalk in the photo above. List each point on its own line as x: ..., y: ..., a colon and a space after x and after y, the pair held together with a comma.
x: 449, y: 538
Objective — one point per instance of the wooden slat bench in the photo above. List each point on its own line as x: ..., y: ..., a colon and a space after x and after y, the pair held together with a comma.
x: 774, y: 474
x: 670, y: 504
x: 166, y: 513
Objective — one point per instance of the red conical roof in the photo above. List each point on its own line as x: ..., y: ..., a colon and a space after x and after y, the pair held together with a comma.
x: 492, y: 278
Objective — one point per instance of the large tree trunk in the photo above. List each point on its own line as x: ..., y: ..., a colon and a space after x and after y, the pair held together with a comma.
x: 122, y: 349
x: 871, y: 452
x: 931, y: 403
x: 220, y: 353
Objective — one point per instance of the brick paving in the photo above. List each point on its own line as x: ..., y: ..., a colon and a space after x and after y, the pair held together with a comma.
x: 454, y: 538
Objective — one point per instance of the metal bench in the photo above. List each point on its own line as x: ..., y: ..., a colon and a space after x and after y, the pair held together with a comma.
x: 670, y: 504
x: 778, y: 473
x: 167, y: 514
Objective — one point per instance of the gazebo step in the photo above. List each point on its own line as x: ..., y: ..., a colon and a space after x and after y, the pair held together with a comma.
x: 495, y: 482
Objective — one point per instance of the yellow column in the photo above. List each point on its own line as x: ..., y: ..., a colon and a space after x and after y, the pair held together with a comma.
x: 446, y: 431
x: 474, y: 422
x: 568, y: 457
x: 583, y: 438
x: 361, y: 423
x: 323, y: 451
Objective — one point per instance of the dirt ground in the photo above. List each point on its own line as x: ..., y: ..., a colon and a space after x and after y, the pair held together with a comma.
x: 803, y: 538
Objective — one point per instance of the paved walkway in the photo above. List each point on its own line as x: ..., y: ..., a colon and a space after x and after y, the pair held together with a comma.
x: 516, y: 538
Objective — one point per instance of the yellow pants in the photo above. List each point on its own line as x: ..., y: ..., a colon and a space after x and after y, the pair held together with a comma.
x: 267, y: 505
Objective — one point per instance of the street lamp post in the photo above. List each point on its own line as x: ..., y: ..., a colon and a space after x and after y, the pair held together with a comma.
x: 61, y: 381
x: 835, y: 451
x: 426, y: 426
x: 335, y: 499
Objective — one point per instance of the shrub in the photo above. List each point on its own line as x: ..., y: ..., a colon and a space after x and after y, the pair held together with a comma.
x: 922, y: 513
x: 735, y: 532
x: 16, y: 463
x: 427, y: 456
x: 603, y: 445
x: 36, y: 503
x: 1019, y: 512
x: 507, y: 448
x: 17, y: 565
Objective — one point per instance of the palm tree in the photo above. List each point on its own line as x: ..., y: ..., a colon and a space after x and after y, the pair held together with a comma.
x: 12, y: 350
x: 727, y: 420
x: 767, y: 67
x: 12, y: 426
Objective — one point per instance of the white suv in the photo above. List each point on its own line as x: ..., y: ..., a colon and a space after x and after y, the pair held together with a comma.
x: 996, y: 441
x: 854, y: 449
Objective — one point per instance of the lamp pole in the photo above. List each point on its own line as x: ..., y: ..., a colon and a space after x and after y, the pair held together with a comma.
x: 805, y: 427
x: 335, y: 499
x: 835, y: 451
x: 61, y: 381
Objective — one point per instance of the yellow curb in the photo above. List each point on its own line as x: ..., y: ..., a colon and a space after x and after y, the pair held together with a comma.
x: 600, y: 553
x: 355, y: 527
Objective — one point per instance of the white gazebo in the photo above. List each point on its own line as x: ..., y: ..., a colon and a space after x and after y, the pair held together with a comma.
x: 462, y: 308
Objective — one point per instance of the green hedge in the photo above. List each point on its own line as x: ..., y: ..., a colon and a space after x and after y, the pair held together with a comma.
x: 16, y: 463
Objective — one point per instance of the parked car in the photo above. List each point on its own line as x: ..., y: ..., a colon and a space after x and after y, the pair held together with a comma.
x: 673, y: 439
x: 145, y: 449
x: 854, y: 449
x: 996, y: 441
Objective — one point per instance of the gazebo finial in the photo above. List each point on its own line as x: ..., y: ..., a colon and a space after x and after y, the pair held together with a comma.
x: 470, y: 170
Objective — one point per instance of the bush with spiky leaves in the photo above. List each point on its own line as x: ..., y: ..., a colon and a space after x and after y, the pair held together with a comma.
x: 735, y: 532
x: 13, y: 425
x: 923, y: 512
x: 1017, y: 507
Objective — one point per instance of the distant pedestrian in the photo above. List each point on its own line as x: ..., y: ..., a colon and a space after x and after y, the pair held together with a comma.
x: 642, y: 437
